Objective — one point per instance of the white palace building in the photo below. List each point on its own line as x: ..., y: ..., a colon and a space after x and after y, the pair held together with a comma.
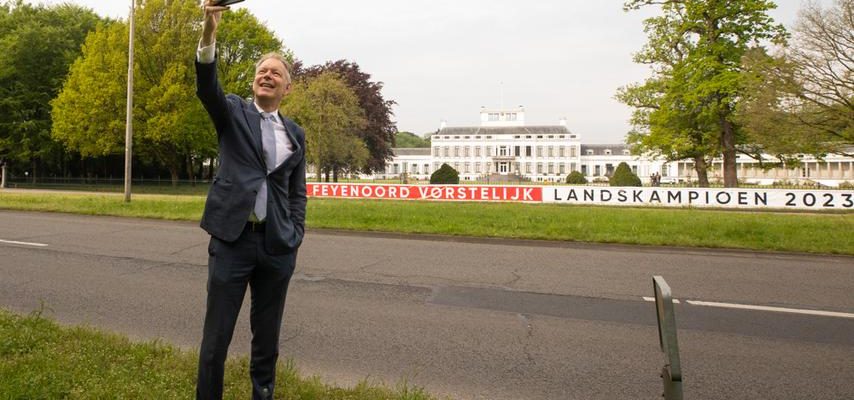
x: 504, y: 149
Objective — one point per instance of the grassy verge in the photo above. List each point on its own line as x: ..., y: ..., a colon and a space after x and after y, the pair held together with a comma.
x: 41, y: 360
x: 815, y: 233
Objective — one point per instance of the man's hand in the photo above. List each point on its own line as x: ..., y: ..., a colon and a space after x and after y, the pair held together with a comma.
x: 212, y: 16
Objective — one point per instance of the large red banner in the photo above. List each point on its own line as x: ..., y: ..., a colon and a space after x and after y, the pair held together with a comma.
x: 427, y: 192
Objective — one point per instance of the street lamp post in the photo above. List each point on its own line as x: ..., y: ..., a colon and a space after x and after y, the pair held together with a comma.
x: 129, y: 121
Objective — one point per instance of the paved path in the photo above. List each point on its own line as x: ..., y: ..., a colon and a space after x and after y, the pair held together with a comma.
x: 473, y: 319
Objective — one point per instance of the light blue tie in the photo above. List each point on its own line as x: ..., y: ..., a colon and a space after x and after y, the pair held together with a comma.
x: 268, y: 145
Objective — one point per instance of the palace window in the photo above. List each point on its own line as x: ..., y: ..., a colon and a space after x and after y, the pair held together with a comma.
x: 539, y: 151
x: 466, y: 151
x: 527, y: 151
x: 518, y: 151
x: 477, y: 151
x: 561, y: 152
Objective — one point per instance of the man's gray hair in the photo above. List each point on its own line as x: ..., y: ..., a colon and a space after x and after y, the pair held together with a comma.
x: 279, y: 57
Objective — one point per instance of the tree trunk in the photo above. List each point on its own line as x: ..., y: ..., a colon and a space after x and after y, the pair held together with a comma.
x: 702, y: 171
x: 35, y: 170
x: 191, y: 173
x: 173, y: 170
x: 335, y: 175
x: 728, y: 144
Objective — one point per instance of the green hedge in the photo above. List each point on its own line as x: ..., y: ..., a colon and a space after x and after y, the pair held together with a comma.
x: 623, y: 176
x: 445, y: 175
x: 576, y: 178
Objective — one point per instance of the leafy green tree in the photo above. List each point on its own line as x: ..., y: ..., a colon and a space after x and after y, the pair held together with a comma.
x: 329, y: 112
x: 170, y: 126
x: 410, y: 140
x: 772, y: 116
x: 576, y: 178
x: 379, y: 131
x: 445, y: 175
x: 88, y: 114
x: 698, y: 46
x: 623, y: 176
x: 38, y: 44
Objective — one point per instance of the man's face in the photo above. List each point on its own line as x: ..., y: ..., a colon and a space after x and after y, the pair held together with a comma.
x: 271, y: 82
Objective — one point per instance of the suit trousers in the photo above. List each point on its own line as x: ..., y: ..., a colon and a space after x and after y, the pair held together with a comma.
x: 231, y: 267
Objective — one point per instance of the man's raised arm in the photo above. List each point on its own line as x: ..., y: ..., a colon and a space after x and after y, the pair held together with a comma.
x: 207, y: 85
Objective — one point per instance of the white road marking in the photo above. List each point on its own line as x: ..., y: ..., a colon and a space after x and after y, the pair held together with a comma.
x: 652, y: 299
x: 761, y: 308
x: 23, y: 243
x: 772, y: 309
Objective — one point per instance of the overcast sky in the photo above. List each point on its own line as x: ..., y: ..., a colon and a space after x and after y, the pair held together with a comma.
x: 444, y: 59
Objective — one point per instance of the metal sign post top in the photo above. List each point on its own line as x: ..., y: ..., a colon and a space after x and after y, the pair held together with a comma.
x: 667, y: 327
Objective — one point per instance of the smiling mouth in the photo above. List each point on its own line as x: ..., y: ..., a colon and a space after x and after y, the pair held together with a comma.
x: 266, y: 85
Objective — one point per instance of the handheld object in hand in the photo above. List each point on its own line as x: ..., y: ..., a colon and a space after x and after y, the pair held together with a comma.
x: 222, y: 3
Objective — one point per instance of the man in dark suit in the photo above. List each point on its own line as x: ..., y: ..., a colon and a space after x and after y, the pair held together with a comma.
x: 255, y: 214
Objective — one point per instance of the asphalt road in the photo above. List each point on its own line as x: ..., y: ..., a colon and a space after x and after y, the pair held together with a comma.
x: 471, y: 319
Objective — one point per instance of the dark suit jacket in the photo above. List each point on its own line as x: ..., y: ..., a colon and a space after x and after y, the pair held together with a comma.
x: 242, y: 169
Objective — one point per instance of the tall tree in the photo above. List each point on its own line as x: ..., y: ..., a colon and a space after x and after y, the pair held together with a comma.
x: 170, y: 126
x: 709, y: 75
x: 822, y: 52
x: 38, y: 44
x: 801, y: 100
x: 379, y: 132
x: 663, y: 123
x: 329, y: 111
x: 88, y: 114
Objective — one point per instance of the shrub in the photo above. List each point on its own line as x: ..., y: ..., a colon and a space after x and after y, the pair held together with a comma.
x: 846, y: 185
x: 445, y: 175
x: 623, y: 176
x: 576, y: 178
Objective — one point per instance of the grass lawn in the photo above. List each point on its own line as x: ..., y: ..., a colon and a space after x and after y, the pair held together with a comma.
x: 795, y: 232
x: 41, y: 360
